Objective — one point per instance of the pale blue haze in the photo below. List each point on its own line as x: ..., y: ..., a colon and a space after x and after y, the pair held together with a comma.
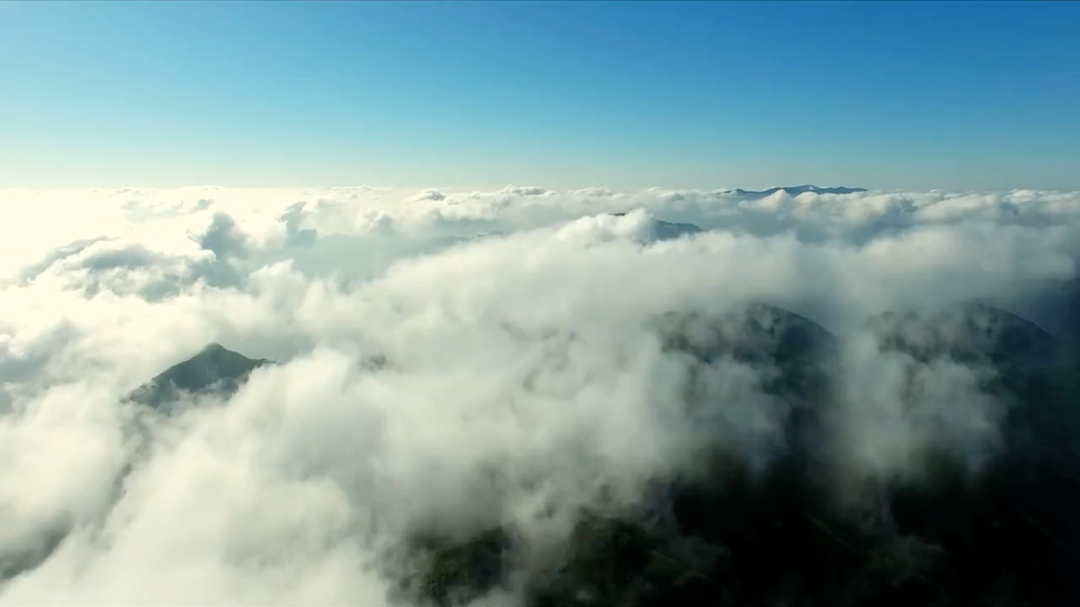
x: 968, y: 95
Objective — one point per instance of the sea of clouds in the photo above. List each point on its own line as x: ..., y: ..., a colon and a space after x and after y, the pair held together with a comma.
x: 515, y: 329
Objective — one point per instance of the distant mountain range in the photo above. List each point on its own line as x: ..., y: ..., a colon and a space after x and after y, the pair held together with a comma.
x: 795, y: 190
x: 665, y: 230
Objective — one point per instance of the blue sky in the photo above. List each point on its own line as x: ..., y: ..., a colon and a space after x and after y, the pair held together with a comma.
x: 886, y: 95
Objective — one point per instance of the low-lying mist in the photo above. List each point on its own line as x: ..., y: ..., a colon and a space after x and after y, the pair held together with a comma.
x: 526, y: 397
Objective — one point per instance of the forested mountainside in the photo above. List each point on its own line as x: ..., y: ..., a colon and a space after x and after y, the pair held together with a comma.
x: 734, y: 534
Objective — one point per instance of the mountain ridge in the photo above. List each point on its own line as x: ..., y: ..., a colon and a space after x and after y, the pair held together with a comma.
x: 667, y: 230
x: 779, y: 537
x: 795, y: 190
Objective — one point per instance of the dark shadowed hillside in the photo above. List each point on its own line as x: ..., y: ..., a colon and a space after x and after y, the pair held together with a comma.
x: 737, y: 534
x: 666, y: 230
x: 676, y: 546
x: 214, y: 369
x: 754, y: 522
x: 1008, y: 534
x: 1021, y: 365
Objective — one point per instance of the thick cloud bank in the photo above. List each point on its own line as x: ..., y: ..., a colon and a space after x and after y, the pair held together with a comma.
x: 499, y: 368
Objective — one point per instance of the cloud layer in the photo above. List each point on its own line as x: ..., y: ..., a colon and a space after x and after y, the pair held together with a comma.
x: 523, y: 378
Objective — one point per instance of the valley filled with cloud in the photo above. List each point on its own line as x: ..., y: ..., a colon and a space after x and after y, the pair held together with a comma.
x: 456, y: 384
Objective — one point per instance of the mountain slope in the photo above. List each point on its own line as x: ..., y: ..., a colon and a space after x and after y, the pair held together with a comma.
x: 729, y: 537
x: 677, y: 546
x: 1021, y: 365
x: 735, y: 533
x: 666, y: 230
x: 214, y: 370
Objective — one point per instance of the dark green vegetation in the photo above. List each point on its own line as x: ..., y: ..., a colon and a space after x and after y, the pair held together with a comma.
x: 729, y: 536
x: 733, y: 533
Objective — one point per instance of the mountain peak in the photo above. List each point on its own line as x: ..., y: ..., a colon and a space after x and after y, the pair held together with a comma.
x: 214, y: 347
x: 214, y: 368
x: 213, y: 350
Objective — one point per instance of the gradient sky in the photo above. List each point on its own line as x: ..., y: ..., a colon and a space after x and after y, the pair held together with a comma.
x: 885, y: 95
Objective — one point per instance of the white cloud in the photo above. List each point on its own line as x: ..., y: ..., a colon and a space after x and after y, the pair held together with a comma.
x: 522, y: 372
